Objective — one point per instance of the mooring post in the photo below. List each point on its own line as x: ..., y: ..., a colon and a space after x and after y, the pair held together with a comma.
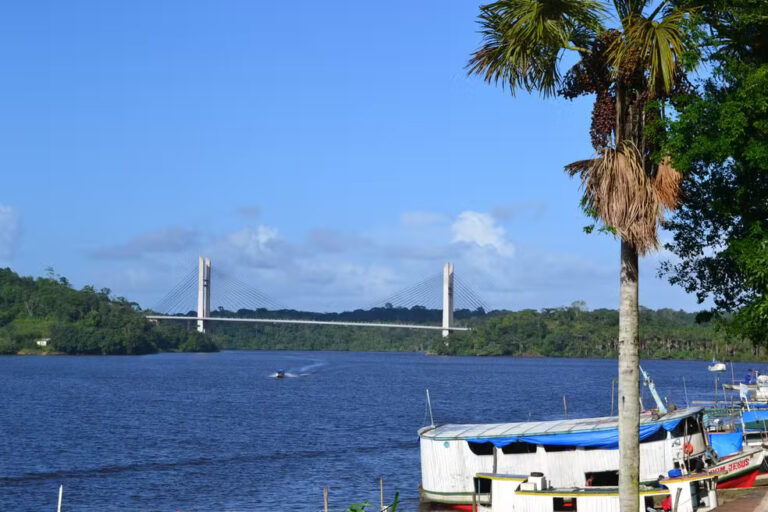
x: 447, y: 299
x: 325, y: 498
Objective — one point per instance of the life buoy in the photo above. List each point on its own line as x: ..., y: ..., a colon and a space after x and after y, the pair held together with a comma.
x: 688, y: 448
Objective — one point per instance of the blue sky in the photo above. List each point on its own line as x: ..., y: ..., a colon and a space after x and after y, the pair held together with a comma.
x: 329, y: 153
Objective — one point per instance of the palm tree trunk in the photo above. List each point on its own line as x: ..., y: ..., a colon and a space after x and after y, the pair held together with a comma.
x: 629, y: 388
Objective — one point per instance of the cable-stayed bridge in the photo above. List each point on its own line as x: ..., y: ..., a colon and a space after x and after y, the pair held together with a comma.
x: 192, y: 297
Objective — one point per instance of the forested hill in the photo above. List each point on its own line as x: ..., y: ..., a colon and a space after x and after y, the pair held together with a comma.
x: 558, y: 332
x: 81, y: 321
x: 575, y: 332
x: 88, y: 321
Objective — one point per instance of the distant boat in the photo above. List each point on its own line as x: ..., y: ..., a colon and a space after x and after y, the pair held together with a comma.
x: 716, y: 366
x: 280, y: 373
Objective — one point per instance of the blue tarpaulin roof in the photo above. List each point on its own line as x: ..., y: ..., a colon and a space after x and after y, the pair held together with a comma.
x: 608, y: 438
x: 595, y: 432
x: 749, y: 416
x: 726, y: 443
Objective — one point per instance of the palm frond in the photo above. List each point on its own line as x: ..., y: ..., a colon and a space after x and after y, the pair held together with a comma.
x: 522, y: 40
x: 660, y: 45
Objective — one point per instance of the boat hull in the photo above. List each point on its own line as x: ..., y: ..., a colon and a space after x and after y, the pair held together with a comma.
x: 454, y: 500
x: 738, y: 470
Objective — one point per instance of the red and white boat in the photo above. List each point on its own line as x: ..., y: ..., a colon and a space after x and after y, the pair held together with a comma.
x: 738, y: 470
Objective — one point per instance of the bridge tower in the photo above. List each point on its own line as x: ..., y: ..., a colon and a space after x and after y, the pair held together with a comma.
x: 447, y: 299
x: 203, y: 292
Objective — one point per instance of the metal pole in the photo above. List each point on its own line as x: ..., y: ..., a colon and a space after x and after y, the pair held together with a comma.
x: 61, y: 493
x: 685, y: 389
x: 715, y: 390
x: 565, y: 406
x: 381, y: 491
x: 613, y: 387
x: 429, y: 406
x: 325, y: 498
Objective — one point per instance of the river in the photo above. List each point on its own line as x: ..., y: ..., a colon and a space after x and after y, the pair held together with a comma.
x: 217, y: 432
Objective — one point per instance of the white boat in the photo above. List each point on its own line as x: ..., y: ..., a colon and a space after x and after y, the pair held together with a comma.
x: 685, y: 493
x: 716, y: 366
x: 569, y: 452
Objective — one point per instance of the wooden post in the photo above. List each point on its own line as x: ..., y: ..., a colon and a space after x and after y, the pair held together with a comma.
x: 565, y: 406
x: 325, y: 498
x: 381, y: 491
x: 474, y: 502
x: 677, y: 499
x: 61, y: 493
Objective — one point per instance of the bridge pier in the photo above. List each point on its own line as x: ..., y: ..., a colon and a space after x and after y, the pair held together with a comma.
x: 447, y: 299
x: 203, y: 292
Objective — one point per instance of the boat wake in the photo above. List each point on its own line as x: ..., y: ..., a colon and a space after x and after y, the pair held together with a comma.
x: 300, y: 372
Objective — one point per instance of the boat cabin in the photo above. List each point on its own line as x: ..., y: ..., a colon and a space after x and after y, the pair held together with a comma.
x: 514, y: 493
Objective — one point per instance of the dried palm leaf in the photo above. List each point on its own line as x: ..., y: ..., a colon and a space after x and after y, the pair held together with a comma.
x: 667, y: 184
x: 617, y: 188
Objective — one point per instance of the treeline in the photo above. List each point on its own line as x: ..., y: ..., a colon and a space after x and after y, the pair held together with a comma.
x: 576, y: 332
x: 557, y: 332
x: 386, y: 314
x: 83, y: 321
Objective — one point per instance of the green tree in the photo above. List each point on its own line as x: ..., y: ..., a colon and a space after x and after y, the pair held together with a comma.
x: 720, y: 142
x: 631, y: 69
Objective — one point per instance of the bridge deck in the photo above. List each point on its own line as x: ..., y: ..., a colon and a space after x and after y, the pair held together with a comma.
x: 307, y: 322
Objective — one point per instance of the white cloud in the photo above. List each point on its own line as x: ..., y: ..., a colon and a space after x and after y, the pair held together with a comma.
x: 480, y: 229
x: 328, y: 269
x: 10, y: 230
x: 259, y: 246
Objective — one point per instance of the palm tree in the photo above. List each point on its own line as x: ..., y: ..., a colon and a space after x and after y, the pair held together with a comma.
x: 632, y: 69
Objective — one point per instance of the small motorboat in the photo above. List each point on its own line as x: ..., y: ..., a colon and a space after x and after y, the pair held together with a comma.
x: 716, y: 366
x: 280, y: 373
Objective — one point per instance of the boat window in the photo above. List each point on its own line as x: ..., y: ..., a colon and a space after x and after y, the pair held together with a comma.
x: 601, y: 478
x: 481, y: 448
x: 659, y: 435
x: 563, y: 504
x: 680, y: 429
x: 518, y: 448
x: 558, y: 448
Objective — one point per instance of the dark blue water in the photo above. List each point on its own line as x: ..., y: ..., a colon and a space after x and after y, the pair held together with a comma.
x: 214, y: 432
